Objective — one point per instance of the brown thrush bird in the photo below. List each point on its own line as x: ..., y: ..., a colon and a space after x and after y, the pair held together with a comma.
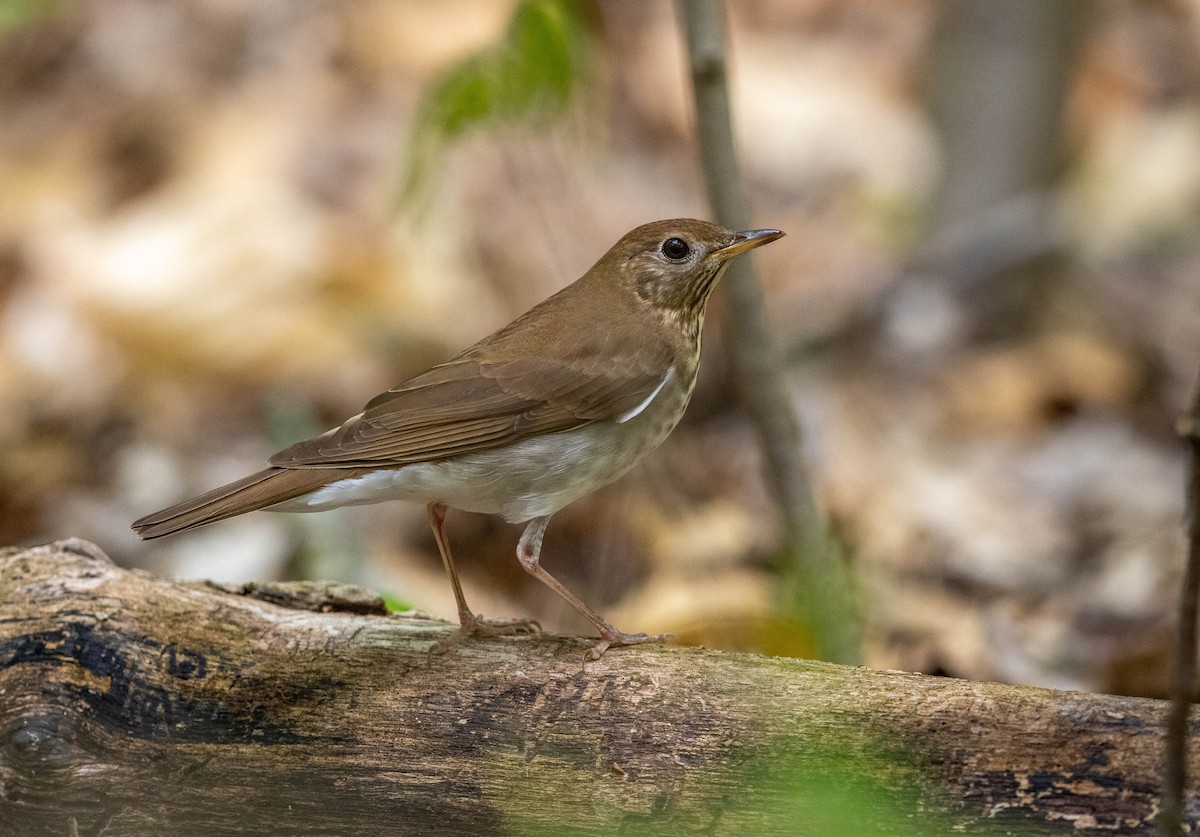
x: 563, y: 400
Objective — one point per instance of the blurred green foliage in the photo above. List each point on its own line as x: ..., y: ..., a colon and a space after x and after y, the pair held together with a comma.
x: 395, y: 604
x: 16, y: 13
x: 816, y: 594
x: 529, y: 80
x: 844, y: 788
x: 836, y: 792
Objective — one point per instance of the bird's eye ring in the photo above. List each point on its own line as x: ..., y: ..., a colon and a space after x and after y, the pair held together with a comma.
x: 676, y: 249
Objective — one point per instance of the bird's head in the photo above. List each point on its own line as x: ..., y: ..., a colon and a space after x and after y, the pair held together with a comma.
x: 674, y: 265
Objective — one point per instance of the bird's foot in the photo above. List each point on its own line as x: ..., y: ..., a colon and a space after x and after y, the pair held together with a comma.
x: 473, y: 625
x: 476, y: 626
x: 611, y: 638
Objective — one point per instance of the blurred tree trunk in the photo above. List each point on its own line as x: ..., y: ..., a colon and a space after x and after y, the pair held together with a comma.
x: 997, y: 86
x: 816, y: 589
x: 134, y: 705
x: 1184, y: 692
x: 997, y: 89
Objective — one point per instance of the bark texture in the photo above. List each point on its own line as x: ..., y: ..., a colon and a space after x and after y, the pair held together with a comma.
x: 135, y: 705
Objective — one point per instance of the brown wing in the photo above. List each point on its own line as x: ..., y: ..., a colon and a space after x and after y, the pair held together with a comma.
x: 470, y: 404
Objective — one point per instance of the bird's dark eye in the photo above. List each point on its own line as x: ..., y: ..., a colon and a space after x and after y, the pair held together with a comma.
x: 675, y: 249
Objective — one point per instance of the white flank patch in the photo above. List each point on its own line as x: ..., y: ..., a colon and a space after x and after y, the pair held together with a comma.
x: 636, y: 411
x: 385, y: 484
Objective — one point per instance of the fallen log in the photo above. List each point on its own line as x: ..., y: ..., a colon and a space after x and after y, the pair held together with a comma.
x: 135, y: 705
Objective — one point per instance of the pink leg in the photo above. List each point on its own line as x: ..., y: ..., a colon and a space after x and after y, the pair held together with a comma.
x: 529, y: 552
x: 470, y: 624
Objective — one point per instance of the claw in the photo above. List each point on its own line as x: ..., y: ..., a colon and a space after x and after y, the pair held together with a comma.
x: 476, y: 626
x: 616, y: 638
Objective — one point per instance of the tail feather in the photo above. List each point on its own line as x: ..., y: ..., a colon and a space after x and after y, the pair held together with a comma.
x: 257, y: 491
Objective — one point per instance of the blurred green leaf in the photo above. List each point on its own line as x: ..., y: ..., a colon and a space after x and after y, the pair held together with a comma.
x: 856, y: 785
x: 16, y: 13
x: 840, y: 790
x: 394, y: 603
x: 528, y: 80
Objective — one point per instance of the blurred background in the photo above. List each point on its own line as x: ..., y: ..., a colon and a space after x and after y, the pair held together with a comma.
x: 225, y: 224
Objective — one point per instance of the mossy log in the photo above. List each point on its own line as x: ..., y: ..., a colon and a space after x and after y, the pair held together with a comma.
x: 134, y: 705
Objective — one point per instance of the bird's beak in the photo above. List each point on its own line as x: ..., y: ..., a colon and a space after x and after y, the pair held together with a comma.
x: 747, y: 240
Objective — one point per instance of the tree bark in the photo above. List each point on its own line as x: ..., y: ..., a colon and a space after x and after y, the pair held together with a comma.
x: 135, y: 705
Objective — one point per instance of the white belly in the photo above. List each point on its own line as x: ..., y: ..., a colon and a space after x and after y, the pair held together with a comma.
x: 533, y: 478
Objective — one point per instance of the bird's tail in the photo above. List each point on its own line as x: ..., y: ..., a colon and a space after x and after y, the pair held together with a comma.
x: 257, y: 491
